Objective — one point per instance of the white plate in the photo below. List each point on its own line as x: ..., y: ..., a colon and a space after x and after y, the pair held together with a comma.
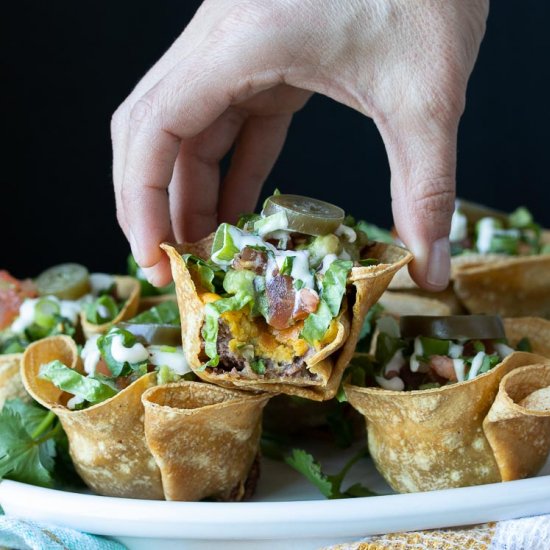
x: 287, y: 511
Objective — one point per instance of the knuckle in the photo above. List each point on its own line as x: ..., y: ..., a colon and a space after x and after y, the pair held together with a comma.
x: 118, y: 119
x: 433, y: 198
x: 142, y: 112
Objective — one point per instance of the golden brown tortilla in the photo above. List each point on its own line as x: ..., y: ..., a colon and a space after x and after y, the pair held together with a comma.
x: 204, y: 438
x: 397, y: 303
x: 512, y: 286
x: 127, y: 289
x: 184, y: 441
x: 518, y: 424
x: 434, y: 439
x: 329, y: 362
x: 106, y: 441
x: 11, y: 386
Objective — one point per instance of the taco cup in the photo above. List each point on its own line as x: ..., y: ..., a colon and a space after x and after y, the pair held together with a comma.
x: 293, y: 310
x: 11, y: 386
x: 500, y: 263
x: 107, y: 429
x: 64, y: 299
x: 430, y: 431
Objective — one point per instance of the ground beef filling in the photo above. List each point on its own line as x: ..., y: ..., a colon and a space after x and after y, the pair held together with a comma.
x: 237, y: 364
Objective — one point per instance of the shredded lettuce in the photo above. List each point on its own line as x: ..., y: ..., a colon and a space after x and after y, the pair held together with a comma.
x: 288, y: 263
x: 333, y: 288
x: 374, y: 232
x: 317, y: 324
x: 71, y: 381
x: 102, y: 310
x: 165, y: 313
x: 223, y: 247
x: 210, y: 274
x: 334, y: 284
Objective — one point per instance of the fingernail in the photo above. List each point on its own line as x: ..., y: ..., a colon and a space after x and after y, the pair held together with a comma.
x: 133, y: 245
x: 151, y: 274
x: 439, y: 263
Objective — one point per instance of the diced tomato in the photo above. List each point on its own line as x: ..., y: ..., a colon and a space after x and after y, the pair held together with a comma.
x: 12, y: 294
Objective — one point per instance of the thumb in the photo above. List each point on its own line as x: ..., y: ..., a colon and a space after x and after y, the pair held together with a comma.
x: 422, y: 159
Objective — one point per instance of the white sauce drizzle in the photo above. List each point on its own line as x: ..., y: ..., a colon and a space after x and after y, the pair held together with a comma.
x: 347, y: 232
x: 455, y: 350
x: 395, y: 363
x: 414, y: 363
x: 135, y: 354
x: 503, y: 350
x: 477, y: 361
x: 90, y: 355
x: 174, y: 360
x: 459, y: 226
x: 459, y: 366
x: 395, y: 384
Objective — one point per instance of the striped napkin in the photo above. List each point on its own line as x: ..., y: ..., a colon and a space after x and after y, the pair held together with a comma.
x: 21, y: 534
x: 518, y: 534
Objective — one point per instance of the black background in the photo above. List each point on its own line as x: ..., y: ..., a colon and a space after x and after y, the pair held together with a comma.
x: 66, y: 66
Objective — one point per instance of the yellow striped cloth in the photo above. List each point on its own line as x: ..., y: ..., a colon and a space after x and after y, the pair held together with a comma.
x: 522, y: 534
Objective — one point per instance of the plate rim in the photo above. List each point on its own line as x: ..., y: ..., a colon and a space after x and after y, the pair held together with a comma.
x: 354, y: 517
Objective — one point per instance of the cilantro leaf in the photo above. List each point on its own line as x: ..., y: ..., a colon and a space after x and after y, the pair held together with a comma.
x: 305, y: 464
x: 23, y: 458
x: 329, y: 485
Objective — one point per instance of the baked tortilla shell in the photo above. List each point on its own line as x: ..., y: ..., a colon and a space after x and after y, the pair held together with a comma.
x: 11, y: 385
x: 518, y: 424
x: 434, y: 439
x: 204, y: 438
x: 534, y: 328
x: 511, y: 286
x: 328, y: 363
x: 397, y: 303
x: 106, y: 441
x: 127, y: 289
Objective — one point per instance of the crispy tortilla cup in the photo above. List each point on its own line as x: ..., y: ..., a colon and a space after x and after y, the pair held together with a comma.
x: 434, y: 439
x: 127, y: 289
x: 213, y: 433
x: 326, y: 365
x: 497, y: 284
x: 518, y: 424
x: 205, y: 439
x: 510, y: 286
x: 403, y: 303
x: 11, y: 385
x: 106, y: 441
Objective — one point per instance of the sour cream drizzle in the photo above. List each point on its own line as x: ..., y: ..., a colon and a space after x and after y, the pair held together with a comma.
x: 135, y: 354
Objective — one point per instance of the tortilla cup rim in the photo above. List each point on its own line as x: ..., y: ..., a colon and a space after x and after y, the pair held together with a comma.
x: 449, y: 387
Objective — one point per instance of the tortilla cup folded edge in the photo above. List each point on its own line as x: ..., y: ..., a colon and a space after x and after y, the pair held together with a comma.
x: 205, y: 439
x: 128, y: 289
x: 106, y: 440
x: 11, y: 385
x: 436, y: 418
x: 519, y: 436
x: 369, y: 283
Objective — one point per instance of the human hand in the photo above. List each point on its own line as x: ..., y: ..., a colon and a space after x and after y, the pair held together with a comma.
x: 241, y: 69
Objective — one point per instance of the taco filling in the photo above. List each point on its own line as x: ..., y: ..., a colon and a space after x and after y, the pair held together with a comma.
x: 483, y: 231
x: 52, y: 304
x: 273, y: 287
x: 113, y: 361
x: 424, y: 352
